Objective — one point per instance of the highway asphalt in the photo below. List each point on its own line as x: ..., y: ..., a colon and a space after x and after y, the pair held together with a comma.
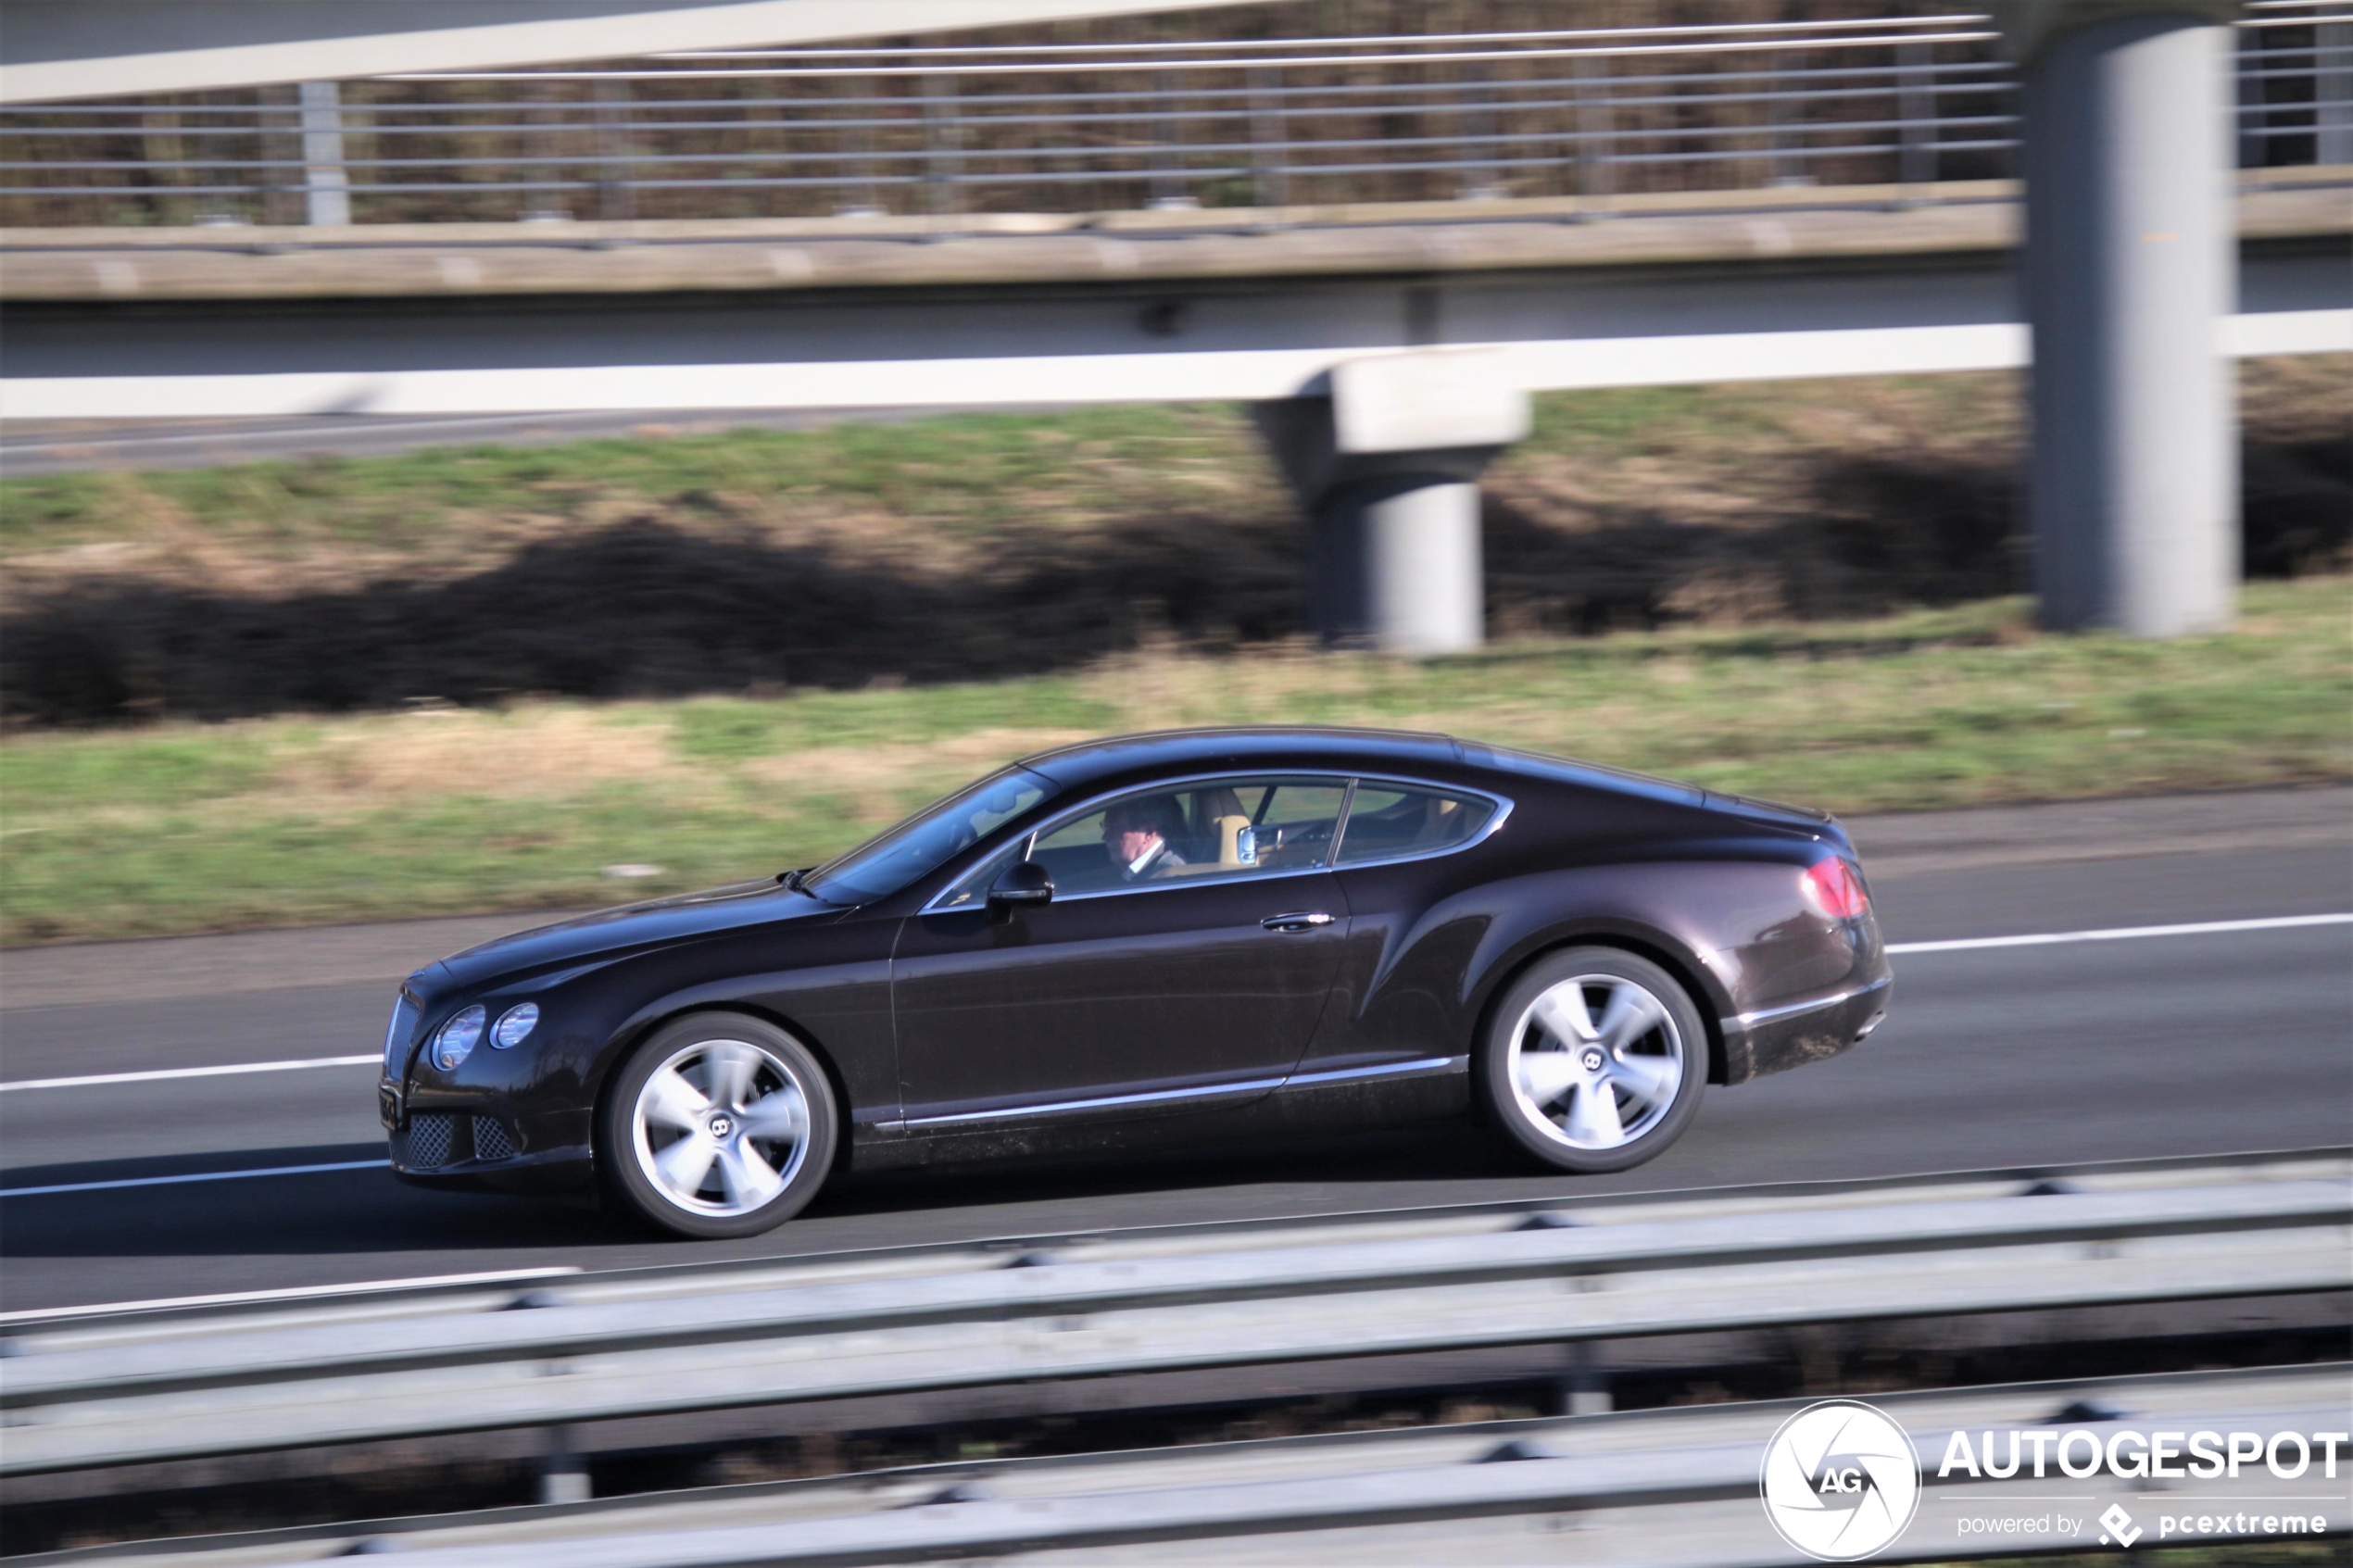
x: 2161, y: 1044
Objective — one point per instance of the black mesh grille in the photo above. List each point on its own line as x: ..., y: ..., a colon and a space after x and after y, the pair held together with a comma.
x: 426, y: 1143
x: 490, y: 1139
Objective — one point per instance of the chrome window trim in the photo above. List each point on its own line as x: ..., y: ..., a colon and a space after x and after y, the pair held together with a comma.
x: 1205, y: 879
x: 1207, y: 1091
x: 1502, y: 811
x: 1096, y: 803
x: 1503, y: 805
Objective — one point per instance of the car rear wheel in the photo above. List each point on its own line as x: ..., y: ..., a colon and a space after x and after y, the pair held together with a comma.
x: 718, y: 1125
x: 1595, y: 1060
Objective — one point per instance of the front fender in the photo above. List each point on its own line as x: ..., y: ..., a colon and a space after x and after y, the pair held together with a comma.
x: 834, y: 998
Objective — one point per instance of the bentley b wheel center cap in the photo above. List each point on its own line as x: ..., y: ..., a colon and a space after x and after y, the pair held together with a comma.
x: 1593, y: 1062
x: 721, y: 1126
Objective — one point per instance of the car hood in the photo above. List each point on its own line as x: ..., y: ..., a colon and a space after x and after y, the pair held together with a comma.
x: 632, y: 928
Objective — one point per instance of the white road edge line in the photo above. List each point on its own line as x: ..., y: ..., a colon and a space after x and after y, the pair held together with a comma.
x: 289, y: 1293
x: 198, y: 1176
x: 158, y: 1074
x: 2122, y: 933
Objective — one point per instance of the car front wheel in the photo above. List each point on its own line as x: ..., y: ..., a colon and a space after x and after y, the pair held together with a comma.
x: 718, y: 1125
x: 1595, y: 1060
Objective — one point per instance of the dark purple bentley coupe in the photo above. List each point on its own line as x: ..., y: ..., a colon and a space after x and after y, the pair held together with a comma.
x: 1153, y: 939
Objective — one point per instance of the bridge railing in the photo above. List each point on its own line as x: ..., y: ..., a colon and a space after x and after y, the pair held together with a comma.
x: 1172, y: 122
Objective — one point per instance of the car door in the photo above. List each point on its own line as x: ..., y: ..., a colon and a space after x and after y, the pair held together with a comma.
x: 1189, y: 981
x: 1401, y: 986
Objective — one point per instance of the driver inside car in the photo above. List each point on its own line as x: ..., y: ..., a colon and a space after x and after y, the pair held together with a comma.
x: 1135, y: 835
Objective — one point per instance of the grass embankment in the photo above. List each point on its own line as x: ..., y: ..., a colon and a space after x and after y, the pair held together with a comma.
x: 184, y: 827
x: 979, y: 546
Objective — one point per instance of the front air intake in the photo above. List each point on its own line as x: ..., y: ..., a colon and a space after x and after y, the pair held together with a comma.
x: 491, y: 1141
x: 426, y: 1143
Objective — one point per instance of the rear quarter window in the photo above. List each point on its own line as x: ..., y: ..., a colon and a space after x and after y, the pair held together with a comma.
x: 1389, y: 822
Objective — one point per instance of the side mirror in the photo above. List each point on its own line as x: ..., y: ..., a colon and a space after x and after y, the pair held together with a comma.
x: 1025, y: 881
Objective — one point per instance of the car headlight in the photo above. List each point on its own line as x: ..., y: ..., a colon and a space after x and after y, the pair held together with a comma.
x: 458, y: 1039
x: 517, y: 1023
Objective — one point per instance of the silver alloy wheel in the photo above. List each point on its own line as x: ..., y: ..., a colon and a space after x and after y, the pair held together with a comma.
x: 721, y: 1127
x: 1595, y: 1080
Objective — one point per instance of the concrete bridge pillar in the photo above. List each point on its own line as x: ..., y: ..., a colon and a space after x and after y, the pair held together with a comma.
x: 2130, y: 276
x: 1386, y: 464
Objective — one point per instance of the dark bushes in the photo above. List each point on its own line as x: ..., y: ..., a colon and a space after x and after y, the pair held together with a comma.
x: 655, y: 608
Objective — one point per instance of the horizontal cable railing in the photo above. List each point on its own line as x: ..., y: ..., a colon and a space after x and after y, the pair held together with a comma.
x: 1062, y: 126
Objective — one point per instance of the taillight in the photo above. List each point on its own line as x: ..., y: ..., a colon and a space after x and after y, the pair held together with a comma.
x: 1833, y: 888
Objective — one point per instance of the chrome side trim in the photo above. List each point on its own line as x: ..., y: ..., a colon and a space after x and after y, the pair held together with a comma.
x: 1385, y: 1070
x: 1248, y: 1086
x: 1251, y: 1086
x: 1766, y: 1015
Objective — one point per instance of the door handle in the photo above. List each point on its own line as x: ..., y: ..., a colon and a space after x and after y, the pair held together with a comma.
x: 1304, y: 920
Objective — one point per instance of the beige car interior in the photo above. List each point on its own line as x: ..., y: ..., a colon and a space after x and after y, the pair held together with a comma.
x: 1218, y: 815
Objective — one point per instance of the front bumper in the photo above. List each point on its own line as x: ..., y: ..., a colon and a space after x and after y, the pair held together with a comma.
x: 546, y: 1174
x: 475, y: 1148
x: 1775, y: 1039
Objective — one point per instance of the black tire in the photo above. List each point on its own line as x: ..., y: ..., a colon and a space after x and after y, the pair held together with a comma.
x: 1608, y: 1083
x: 749, y: 1064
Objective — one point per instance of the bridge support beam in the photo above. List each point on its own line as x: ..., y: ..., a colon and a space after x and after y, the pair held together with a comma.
x: 2130, y: 276
x: 1395, y: 561
x: 1386, y: 463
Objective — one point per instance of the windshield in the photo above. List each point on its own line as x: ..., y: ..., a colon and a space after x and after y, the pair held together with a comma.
x: 883, y: 865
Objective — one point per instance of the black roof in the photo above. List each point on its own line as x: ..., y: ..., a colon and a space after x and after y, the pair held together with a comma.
x: 1242, y: 748
x: 1116, y: 758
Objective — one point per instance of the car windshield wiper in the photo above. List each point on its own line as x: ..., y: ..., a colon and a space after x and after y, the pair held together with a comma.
x: 795, y: 881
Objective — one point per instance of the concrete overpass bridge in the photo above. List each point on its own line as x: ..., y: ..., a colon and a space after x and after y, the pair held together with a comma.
x: 1390, y: 350
x: 1143, y: 307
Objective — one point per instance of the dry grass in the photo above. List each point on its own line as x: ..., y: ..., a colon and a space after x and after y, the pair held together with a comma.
x: 529, y: 753
x: 182, y: 827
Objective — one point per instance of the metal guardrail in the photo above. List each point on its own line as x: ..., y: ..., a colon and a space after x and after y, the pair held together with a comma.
x: 1220, y: 122
x: 1670, y: 1485
x: 83, y: 1395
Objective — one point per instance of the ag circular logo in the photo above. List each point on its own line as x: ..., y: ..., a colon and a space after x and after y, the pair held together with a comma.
x: 1840, y: 1481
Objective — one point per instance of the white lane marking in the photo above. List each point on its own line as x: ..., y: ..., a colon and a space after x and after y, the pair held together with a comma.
x: 199, y: 1176
x: 2275, y: 922
x: 2122, y: 933
x: 158, y: 1074
x: 290, y: 1293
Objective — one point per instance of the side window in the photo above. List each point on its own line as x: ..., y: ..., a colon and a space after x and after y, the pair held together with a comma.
x: 1140, y: 837
x: 1294, y: 823
x: 1388, y: 820
x: 1230, y: 827
x: 973, y: 892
